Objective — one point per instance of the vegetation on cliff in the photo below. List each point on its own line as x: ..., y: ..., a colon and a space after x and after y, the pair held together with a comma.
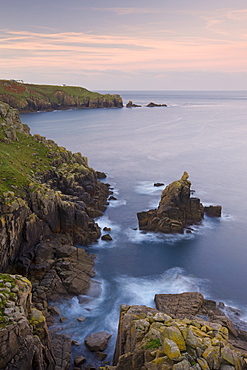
x: 30, y: 97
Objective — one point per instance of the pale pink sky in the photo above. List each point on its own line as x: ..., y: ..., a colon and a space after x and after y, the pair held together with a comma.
x: 186, y: 45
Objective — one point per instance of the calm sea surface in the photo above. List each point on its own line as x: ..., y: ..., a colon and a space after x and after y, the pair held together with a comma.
x: 203, y: 133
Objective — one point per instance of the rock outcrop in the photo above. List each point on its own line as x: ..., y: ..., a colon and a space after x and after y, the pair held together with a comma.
x: 130, y: 104
x: 149, y: 339
x: 32, y: 98
x: 176, y: 211
x: 24, y: 337
x: 151, y: 105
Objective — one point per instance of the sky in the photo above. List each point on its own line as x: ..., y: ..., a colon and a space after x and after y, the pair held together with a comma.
x: 126, y: 45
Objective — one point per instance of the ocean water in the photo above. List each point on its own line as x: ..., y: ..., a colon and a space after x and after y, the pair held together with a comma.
x: 203, y: 133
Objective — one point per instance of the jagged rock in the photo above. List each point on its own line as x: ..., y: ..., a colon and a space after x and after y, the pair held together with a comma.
x: 151, y: 104
x: 130, y: 104
x: 106, y: 237
x: 98, y: 341
x: 24, y: 337
x: 213, y: 211
x: 150, y: 339
x: 176, y: 211
x: 79, y: 360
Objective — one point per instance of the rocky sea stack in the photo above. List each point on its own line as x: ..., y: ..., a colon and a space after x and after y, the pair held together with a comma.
x: 32, y: 98
x: 177, y: 209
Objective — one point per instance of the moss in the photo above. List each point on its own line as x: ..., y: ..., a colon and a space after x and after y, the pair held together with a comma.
x: 152, y: 343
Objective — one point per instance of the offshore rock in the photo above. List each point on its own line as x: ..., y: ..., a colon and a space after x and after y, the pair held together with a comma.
x: 151, y: 105
x: 153, y: 340
x: 130, y: 104
x: 176, y: 211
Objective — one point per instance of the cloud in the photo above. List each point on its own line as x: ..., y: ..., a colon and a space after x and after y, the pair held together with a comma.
x: 126, y: 10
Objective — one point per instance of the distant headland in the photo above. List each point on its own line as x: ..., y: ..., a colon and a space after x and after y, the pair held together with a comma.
x: 32, y: 98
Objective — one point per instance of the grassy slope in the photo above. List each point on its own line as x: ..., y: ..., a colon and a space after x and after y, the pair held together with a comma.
x: 22, y: 91
x: 19, y: 161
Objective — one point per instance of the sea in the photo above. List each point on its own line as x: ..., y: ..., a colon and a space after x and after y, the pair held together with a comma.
x: 201, y: 132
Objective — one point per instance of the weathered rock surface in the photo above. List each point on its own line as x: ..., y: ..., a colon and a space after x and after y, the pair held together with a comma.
x: 130, y: 104
x: 98, y: 341
x: 151, y: 105
x: 149, y: 339
x: 24, y: 337
x: 176, y: 210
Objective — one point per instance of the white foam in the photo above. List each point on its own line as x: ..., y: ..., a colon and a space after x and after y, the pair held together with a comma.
x: 148, y: 188
x: 141, y: 290
x: 117, y: 203
x: 138, y: 236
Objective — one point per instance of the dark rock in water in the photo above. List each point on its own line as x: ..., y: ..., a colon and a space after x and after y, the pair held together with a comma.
x: 106, y: 237
x: 213, y: 211
x: 98, y: 341
x: 176, y: 210
x: 100, y: 175
x: 130, y: 104
x: 151, y: 105
x: 158, y: 184
x: 112, y: 198
x: 101, y: 356
x: 79, y: 360
x: 107, y: 229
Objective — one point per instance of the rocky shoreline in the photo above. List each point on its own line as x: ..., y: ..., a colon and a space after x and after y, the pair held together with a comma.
x: 49, y: 206
x: 52, y: 208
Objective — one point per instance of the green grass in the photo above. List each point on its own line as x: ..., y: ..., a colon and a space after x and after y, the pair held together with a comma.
x: 20, y: 161
x: 22, y: 91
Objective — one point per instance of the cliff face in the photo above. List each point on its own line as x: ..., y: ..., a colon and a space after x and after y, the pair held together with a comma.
x: 49, y: 198
x: 29, y: 97
x: 153, y: 340
x: 24, y: 335
x: 176, y: 211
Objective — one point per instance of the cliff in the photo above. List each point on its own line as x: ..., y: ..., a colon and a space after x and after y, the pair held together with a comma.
x: 49, y: 198
x: 24, y: 337
x: 32, y: 98
x: 188, y: 332
x: 177, y: 209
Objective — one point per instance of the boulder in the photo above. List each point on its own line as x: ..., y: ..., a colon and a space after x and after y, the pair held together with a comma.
x: 106, y: 237
x: 98, y: 341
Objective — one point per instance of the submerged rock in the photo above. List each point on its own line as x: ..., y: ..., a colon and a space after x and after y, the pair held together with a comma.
x: 176, y: 211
